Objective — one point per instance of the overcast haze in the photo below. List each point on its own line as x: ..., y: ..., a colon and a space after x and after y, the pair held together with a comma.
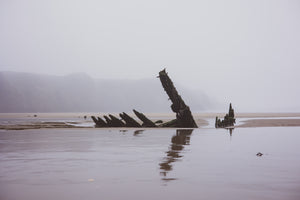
x: 244, y: 52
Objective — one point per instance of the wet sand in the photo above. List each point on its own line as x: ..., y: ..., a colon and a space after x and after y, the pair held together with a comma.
x: 203, y: 163
x: 250, y: 120
x: 38, y: 125
x: 270, y: 123
x: 63, y: 157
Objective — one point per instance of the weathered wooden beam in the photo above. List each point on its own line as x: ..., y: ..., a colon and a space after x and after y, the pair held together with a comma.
x: 101, y: 122
x: 108, y: 121
x: 146, y: 122
x: 116, y: 122
x: 183, y: 114
x: 172, y: 123
x: 95, y: 120
x: 130, y: 122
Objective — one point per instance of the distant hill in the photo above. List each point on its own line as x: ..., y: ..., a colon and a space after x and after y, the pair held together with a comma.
x: 25, y: 92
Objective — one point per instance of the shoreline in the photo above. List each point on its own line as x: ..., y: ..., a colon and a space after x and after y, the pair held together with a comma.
x: 25, y: 121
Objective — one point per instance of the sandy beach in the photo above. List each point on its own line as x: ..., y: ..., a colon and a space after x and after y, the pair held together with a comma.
x: 23, y: 121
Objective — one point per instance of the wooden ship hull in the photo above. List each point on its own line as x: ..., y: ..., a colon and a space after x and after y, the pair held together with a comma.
x: 184, y: 117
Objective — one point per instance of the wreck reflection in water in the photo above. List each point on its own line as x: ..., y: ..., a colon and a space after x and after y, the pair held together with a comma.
x: 138, y: 132
x: 181, y: 138
x: 230, y: 130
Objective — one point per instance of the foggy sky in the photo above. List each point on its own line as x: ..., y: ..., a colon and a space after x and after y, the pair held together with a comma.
x: 244, y: 52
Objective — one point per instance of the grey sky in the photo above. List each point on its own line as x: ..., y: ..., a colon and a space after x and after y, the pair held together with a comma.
x: 246, y: 52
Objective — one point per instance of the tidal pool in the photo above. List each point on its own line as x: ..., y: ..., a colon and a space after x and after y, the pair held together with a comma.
x: 204, y: 163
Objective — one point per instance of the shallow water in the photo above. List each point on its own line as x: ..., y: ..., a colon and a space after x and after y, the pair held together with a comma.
x: 202, y: 163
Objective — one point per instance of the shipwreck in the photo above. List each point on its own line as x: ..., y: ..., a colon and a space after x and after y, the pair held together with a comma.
x: 184, y: 117
x: 228, y: 120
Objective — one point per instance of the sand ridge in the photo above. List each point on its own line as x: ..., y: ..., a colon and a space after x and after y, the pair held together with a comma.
x: 269, y: 123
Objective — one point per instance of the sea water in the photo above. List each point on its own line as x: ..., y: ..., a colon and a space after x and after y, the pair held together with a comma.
x: 204, y: 163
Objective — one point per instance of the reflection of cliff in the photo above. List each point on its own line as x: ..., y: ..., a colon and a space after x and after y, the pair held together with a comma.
x: 181, y: 138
